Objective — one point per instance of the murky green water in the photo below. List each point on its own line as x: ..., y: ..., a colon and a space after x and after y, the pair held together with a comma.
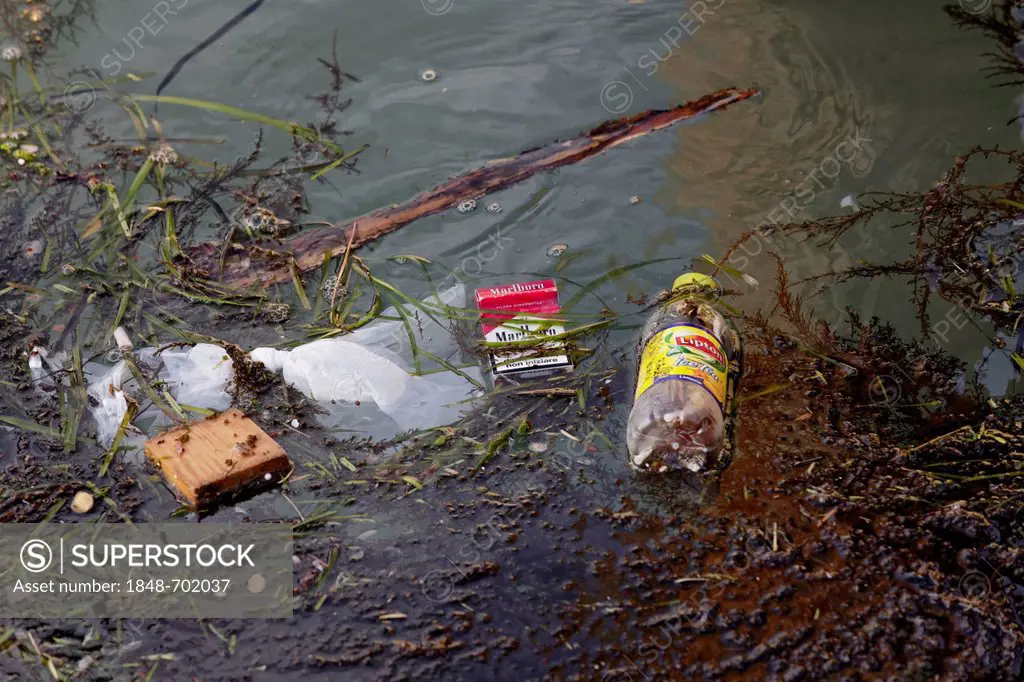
x: 516, y: 75
x: 853, y: 101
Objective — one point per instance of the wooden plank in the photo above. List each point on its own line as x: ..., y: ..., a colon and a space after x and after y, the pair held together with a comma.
x: 217, y: 458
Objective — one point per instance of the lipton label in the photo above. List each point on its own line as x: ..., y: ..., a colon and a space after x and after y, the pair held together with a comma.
x: 684, y: 353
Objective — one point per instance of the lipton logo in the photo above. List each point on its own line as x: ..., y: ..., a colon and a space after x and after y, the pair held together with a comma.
x: 703, y: 345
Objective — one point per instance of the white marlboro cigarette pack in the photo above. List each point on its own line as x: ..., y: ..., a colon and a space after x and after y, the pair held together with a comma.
x: 523, y: 312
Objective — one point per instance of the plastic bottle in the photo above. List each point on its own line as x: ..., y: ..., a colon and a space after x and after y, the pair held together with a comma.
x: 688, y: 351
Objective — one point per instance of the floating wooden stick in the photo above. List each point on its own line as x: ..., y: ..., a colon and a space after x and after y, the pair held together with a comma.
x: 245, y: 266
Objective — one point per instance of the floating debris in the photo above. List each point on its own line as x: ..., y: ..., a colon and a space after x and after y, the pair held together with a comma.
x: 35, y: 13
x: 523, y: 307
x: 556, y: 250
x: 11, y: 52
x: 260, y: 220
x: 680, y: 424
x: 849, y: 202
x: 82, y: 502
x: 635, y: 199
x: 467, y: 206
x: 428, y: 75
x: 276, y: 312
x: 203, y: 462
x: 122, y: 339
x: 32, y: 248
x: 164, y: 154
x: 494, y: 208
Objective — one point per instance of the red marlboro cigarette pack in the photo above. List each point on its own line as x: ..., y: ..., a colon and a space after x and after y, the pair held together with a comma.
x: 520, y: 312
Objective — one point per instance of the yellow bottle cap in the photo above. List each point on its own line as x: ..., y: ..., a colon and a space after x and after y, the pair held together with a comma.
x: 695, y: 279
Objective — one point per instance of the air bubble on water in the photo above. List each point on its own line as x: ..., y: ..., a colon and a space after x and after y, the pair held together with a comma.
x: 428, y: 75
x: 467, y: 206
x: 675, y: 446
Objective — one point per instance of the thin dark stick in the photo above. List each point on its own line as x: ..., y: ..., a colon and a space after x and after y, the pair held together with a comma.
x: 178, y: 65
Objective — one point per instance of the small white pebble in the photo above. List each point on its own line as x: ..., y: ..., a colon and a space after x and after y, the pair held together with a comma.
x: 82, y: 502
x: 267, y: 476
x: 295, y: 423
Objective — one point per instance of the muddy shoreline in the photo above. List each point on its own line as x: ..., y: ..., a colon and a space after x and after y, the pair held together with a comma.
x: 825, y: 547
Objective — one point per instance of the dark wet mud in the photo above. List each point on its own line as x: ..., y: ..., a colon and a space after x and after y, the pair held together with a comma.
x: 854, y: 534
x: 829, y: 550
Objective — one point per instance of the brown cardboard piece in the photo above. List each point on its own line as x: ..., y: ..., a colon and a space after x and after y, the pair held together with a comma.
x: 217, y: 458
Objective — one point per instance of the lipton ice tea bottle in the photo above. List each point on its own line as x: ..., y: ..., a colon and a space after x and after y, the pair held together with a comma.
x: 678, y: 416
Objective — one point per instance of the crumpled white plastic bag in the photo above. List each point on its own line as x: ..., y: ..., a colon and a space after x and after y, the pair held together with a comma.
x: 375, y: 364
x: 364, y: 380
x: 109, y: 404
x: 199, y: 376
x: 45, y: 368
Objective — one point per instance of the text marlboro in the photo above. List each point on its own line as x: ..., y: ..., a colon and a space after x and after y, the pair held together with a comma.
x: 523, y: 312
